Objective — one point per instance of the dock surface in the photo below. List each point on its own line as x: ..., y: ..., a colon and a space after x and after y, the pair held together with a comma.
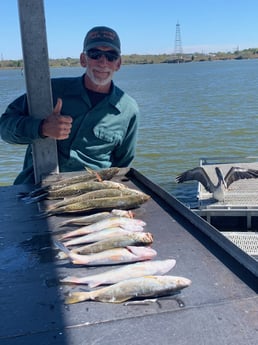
x: 239, y: 209
x: 220, y: 306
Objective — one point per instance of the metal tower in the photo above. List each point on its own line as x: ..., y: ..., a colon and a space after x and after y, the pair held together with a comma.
x: 178, y: 43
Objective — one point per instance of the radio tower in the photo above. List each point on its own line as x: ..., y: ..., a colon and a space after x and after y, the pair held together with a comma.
x: 178, y: 44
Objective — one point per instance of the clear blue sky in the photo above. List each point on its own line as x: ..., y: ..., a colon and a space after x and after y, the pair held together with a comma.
x: 144, y: 26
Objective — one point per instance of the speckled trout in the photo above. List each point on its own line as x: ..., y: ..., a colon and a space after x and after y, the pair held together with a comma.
x: 125, y: 202
x: 60, y: 182
x: 81, y: 187
x: 138, y: 269
x: 96, y: 194
x: 110, y: 256
x: 148, y: 286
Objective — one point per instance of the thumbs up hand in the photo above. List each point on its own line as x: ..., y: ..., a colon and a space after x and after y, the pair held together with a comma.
x: 55, y: 125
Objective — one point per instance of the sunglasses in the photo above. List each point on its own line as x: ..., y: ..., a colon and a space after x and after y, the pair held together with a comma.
x: 96, y: 54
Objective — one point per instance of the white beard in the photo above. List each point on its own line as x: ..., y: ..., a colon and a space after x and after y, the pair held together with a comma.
x: 99, y: 81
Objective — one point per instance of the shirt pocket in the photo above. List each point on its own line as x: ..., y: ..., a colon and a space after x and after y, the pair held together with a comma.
x: 107, y: 135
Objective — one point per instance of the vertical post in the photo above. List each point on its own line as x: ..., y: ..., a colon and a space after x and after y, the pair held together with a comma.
x: 38, y: 85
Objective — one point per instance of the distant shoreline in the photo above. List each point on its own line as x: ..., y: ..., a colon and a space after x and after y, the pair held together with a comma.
x: 251, y: 53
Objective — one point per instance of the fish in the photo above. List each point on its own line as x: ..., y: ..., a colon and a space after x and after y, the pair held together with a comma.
x: 88, y: 175
x: 116, y: 241
x: 100, y: 235
x: 95, y: 194
x: 110, y: 256
x: 122, y: 213
x: 125, y: 223
x: 86, y: 220
x: 94, y: 237
x: 81, y: 187
x: 126, y: 202
x: 93, y: 218
x: 147, y: 286
x: 134, y: 270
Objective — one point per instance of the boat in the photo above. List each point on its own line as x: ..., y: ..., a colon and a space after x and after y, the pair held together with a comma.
x: 224, y: 280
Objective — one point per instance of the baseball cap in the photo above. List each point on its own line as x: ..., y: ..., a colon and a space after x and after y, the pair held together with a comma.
x: 102, y: 36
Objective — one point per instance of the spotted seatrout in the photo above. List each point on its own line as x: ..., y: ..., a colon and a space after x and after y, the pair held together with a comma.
x: 88, y: 175
x: 96, y: 194
x: 110, y: 256
x: 125, y: 202
x: 139, y: 269
x: 60, y: 182
x: 147, y: 286
x: 81, y: 187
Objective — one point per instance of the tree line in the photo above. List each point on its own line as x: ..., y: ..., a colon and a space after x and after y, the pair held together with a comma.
x: 251, y: 53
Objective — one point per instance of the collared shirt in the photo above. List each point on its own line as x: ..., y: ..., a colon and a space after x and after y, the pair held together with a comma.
x: 101, y: 136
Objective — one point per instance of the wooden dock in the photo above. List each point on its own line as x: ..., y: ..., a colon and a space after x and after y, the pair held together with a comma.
x: 220, y: 307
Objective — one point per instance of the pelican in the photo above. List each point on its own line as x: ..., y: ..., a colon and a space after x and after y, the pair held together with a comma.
x: 218, y: 190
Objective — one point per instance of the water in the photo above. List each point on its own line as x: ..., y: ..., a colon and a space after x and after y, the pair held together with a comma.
x: 188, y: 111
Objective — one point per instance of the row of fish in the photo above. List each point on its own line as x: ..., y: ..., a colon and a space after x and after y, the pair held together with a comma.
x: 114, y: 240
x: 107, y: 235
x: 87, y: 192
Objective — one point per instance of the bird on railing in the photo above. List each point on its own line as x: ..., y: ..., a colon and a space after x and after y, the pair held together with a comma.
x: 217, y: 190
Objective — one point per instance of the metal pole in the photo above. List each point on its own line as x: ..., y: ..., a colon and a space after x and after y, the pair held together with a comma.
x: 38, y: 85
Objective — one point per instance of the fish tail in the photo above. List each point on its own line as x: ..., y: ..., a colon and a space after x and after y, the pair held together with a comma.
x: 72, y: 256
x: 61, y: 256
x: 76, y: 297
x: 61, y: 247
x: 43, y: 215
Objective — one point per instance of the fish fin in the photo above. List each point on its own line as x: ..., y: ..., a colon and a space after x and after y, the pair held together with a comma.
x: 76, y: 297
x: 73, y: 233
x: 93, y: 284
x: 99, y: 178
x: 94, y: 173
x: 122, y: 213
x: 71, y: 280
x: 131, y: 214
x: 89, y: 170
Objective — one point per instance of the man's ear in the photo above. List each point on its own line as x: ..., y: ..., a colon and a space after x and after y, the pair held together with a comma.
x: 83, y: 60
x: 118, y: 64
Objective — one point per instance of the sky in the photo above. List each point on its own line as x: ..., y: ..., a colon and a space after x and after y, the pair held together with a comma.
x: 144, y: 26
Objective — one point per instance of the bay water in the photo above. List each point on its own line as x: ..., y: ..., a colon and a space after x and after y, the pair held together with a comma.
x: 188, y: 111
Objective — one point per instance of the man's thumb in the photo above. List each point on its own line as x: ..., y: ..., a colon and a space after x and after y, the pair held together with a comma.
x: 58, y: 106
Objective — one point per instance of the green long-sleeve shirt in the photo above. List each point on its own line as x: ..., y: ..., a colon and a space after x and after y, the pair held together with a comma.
x: 101, y: 136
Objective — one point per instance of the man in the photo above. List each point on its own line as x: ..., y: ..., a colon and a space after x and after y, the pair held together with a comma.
x: 94, y: 122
